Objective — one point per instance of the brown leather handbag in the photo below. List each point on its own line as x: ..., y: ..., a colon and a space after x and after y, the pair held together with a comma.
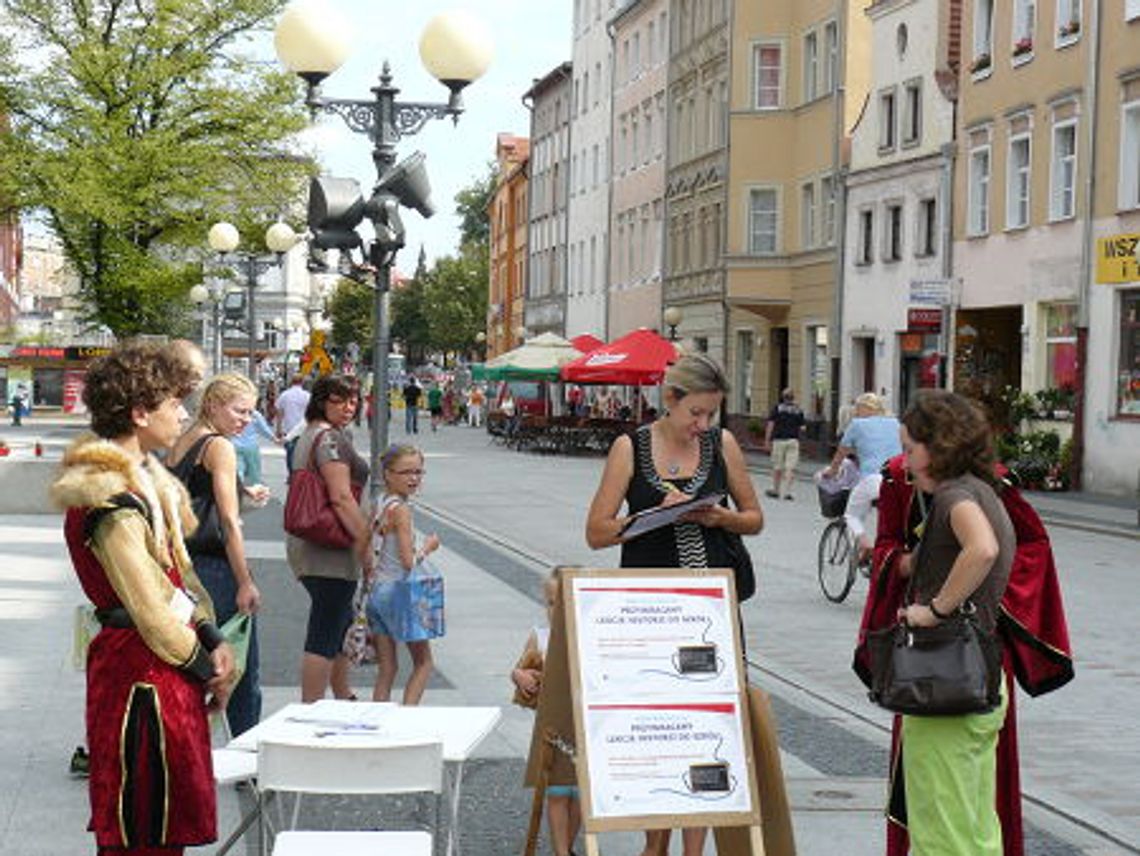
x: 308, y: 511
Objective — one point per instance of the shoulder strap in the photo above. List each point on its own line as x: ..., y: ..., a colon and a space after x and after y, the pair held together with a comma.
x: 192, y: 457
x: 118, y: 502
x: 314, y: 444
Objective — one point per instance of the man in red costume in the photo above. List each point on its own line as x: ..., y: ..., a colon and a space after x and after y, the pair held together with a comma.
x: 158, y: 664
x: 1031, y: 626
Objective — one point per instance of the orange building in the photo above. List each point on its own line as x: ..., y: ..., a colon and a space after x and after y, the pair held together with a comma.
x: 508, y: 214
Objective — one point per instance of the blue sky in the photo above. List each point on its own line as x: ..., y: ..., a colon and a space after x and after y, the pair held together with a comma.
x: 531, y: 37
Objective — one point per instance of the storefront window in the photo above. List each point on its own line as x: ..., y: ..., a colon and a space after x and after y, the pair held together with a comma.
x: 1128, y: 369
x: 1061, y: 345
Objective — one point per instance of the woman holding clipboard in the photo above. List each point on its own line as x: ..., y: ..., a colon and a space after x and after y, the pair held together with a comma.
x: 680, y: 456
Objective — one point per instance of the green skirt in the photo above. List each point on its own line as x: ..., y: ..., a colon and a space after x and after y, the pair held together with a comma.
x: 949, y: 769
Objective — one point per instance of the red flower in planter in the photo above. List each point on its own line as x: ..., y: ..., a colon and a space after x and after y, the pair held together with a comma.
x: 1022, y: 46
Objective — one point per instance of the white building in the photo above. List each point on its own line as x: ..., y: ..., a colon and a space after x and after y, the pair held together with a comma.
x: 897, y: 274
x: 588, y: 228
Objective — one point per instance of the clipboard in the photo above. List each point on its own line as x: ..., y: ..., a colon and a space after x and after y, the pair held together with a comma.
x: 663, y: 515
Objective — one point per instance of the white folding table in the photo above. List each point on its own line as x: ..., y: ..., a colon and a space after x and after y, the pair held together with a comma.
x: 460, y: 729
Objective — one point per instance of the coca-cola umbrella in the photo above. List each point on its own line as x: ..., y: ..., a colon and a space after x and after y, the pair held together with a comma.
x: 639, y: 358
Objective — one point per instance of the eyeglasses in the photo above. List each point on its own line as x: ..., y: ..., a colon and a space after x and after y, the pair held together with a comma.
x: 406, y: 473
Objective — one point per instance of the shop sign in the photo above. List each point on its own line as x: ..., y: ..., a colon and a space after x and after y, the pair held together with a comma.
x: 930, y: 292
x: 87, y: 352
x: 910, y: 343
x: 1116, y: 260
x: 38, y: 353
x: 924, y: 320
x: 73, y: 383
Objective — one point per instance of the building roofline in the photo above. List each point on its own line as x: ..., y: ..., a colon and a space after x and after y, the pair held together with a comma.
x: 560, y: 72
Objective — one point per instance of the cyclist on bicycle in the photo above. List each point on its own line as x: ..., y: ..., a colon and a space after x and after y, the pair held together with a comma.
x: 873, y: 437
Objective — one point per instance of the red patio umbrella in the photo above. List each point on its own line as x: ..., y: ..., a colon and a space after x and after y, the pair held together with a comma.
x: 636, y: 359
x: 586, y: 343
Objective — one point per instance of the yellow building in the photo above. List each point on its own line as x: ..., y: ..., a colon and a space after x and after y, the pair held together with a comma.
x: 1048, y: 175
x: 799, y: 78
x: 508, y: 213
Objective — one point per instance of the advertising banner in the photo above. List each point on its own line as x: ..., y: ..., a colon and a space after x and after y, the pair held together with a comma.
x: 654, y: 636
x: 674, y: 758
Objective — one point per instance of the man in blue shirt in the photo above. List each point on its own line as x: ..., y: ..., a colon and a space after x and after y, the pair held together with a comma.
x: 873, y: 437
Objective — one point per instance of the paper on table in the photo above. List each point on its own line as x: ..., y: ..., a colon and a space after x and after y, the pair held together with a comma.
x: 664, y: 515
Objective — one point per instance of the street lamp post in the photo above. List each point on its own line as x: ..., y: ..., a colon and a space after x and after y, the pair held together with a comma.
x: 672, y: 316
x: 455, y: 49
x: 213, y: 294
x: 224, y: 239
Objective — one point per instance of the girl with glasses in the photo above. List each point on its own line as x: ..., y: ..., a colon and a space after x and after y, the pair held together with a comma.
x: 406, y: 600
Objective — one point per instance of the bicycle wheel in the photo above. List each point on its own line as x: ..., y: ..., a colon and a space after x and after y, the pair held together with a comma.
x: 836, y: 561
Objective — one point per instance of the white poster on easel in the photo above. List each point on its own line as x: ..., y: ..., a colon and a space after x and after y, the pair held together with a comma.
x: 655, y: 636
x: 671, y: 758
x: 660, y: 711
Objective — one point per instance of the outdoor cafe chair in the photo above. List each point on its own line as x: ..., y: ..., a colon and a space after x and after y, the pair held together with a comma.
x: 359, y: 767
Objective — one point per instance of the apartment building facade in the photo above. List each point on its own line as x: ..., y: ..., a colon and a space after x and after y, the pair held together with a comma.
x: 1111, y: 423
x: 550, y: 100
x: 640, y: 32
x: 800, y: 73
x: 507, y: 297
x: 696, y: 171
x: 1050, y: 152
x: 588, y: 229
x: 897, y: 260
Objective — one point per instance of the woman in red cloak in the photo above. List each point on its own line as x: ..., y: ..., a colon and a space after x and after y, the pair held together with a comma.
x: 158, y: 664
x: 1031, y: 625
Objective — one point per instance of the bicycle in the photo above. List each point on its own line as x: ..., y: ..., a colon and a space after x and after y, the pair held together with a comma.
x: 838, y: 554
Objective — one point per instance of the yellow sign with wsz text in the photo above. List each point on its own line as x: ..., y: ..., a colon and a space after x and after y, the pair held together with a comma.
x: 1116, y: 260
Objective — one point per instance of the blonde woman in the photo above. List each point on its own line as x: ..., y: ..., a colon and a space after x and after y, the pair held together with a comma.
x: 682, y: 454
x: 205, y: 461
x: 873, y: 437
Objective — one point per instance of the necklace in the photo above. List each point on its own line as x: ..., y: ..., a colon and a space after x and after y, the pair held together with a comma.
x: 673, y: 468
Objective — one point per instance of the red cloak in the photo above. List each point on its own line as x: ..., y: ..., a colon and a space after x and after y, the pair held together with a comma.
x: 1031, y: 624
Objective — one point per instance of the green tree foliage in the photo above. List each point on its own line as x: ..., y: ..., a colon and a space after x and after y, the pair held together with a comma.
x: 350, y: 308
x: 471, y: 204
x: 456, y: 296
x: 136, y: 125
x: 409, y: 324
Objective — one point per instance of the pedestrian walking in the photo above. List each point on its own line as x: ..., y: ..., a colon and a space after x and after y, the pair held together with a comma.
x: 207, y: 464
x: 412, y: 393
x: 330, y: 575
x: 290, y: 414
x: 563, y: 809
x: 782, y: 442
x: 248, y: 449
x: 963, y: 562
x: 448, y: 402
x: 476, y: 400
x: 681, y: 455
x: 406, y: 600
x: 435, y: 404
x: 18, y: 405
x: 158, y: 665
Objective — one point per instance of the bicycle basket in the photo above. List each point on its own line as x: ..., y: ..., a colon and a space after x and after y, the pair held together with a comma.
x: 832, y: 503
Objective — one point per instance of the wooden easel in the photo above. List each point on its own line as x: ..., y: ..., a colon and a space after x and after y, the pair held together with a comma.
x: 560, y: 714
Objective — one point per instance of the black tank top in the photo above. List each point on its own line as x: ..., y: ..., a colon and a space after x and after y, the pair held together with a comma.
x: 682, y: 545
